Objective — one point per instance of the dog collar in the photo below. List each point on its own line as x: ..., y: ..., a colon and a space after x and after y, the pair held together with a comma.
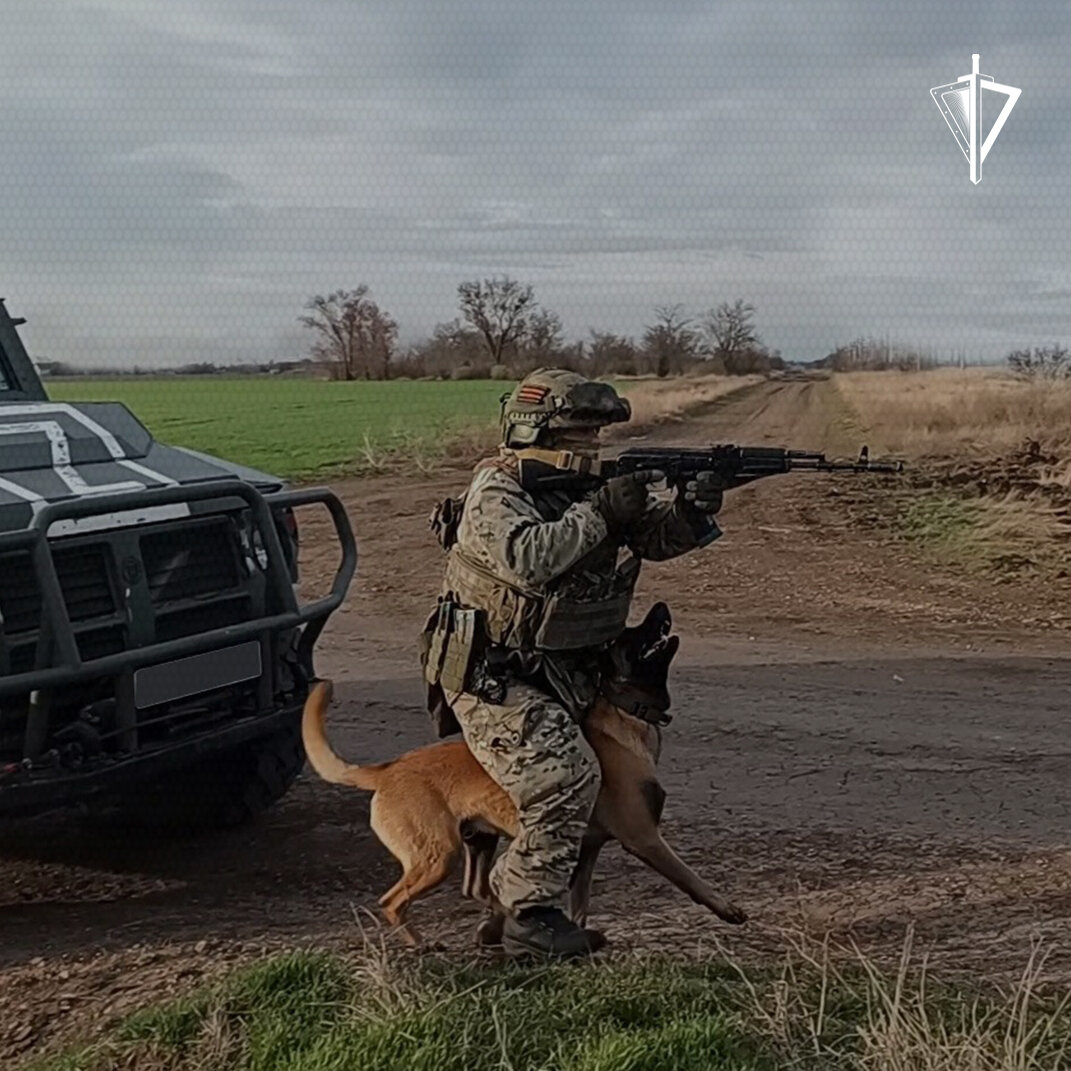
x: 638, y: 704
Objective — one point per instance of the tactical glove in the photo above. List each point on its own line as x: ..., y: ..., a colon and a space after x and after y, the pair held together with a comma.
x: 703, y: 492
x: 622, y: 500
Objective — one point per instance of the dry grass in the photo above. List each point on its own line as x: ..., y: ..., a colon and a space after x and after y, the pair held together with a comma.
x: 951, y: 410
x: 992, y: 460
x: 904, y: 1020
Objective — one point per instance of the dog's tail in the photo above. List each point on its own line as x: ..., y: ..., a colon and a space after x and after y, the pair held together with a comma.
x: 321, y: 756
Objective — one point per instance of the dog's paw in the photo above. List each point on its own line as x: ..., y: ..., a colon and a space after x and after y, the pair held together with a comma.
x: 489, y: 931
x: 727, y: 911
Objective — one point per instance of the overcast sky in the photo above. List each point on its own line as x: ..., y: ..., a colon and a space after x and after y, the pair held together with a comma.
x: 178, y: 176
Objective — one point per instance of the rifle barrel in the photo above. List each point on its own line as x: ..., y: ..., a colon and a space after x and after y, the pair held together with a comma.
x: 739, y: 464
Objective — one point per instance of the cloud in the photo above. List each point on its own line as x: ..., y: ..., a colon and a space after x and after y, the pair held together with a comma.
x: 178, y: 176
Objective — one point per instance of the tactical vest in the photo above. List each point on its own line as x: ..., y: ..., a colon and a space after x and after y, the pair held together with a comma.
x: 558, y: 617
x: 586, y: 606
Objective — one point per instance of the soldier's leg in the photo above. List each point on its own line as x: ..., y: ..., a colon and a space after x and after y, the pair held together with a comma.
x: 533, y: 748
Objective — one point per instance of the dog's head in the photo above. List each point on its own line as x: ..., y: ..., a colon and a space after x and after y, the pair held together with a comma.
x: 636, y: 677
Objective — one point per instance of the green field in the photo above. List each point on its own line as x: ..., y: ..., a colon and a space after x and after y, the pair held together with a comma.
x: 300, y: 428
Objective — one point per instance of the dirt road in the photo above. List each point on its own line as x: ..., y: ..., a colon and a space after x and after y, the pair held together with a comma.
x: 861, y: 742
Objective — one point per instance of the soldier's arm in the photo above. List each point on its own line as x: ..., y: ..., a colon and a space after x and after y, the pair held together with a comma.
x: 669, y: 529
x: 512, y: 533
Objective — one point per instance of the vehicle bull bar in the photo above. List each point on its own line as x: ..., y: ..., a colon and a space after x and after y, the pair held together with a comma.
x: 57, y: 660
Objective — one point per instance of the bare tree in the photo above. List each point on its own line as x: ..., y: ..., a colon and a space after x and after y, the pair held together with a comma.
x: 354, y: 334
x: 670, y: 341
x: 543, y: 340
x: 730, y: 330
x: 609, y: 353
x: 1052, y: 362
x: 870, y: 354
x: 453, y: 348
x: 500, y: 309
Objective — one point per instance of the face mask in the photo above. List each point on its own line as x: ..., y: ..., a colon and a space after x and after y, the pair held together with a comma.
x: 582, y: 445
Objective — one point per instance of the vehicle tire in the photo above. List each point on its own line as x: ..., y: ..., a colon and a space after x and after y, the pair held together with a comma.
x: 222, y: 791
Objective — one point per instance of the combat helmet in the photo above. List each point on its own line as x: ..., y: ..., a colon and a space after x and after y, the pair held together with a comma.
x: 553, y: 398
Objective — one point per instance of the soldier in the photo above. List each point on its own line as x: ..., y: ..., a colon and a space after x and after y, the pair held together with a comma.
x: 533, y: 593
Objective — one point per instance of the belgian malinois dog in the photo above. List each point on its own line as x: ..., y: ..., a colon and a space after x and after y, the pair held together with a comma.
x: 431, y: 804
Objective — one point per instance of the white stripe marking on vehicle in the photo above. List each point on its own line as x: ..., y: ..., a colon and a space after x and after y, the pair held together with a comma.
x: 111, y: 443
x: 18, y: 491
x: 61, y: 458
x: 145, y: 471
x: 121, y: 519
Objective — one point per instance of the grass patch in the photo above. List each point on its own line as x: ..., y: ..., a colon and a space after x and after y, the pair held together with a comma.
x: 382, y: 1012
x: 1006, y: 534
x: 942, y: 521
x: 991, y: 463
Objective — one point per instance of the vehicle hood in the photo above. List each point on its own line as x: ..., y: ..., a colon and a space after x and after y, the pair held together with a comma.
x: 51, y: 451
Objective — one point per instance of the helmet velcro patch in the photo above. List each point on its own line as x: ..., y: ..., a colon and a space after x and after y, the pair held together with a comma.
x: 532, y: 394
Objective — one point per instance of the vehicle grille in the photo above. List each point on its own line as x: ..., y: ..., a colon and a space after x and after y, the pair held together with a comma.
x: 195, y: 578
x: 88, y: 591
x: 83, y: 576
x: 20, y: 600
x: 190, y: 562
x: 194, y: 573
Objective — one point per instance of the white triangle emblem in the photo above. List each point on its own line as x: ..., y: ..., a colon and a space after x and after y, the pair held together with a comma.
x: 961, y: 103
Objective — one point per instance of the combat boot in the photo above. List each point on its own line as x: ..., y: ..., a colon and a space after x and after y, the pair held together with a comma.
x: 547, y: 931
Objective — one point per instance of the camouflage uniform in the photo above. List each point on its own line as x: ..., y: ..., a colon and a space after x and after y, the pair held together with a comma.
x: 529, y: 740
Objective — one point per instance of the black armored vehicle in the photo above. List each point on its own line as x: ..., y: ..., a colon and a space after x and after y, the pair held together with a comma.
x: 154, y: 652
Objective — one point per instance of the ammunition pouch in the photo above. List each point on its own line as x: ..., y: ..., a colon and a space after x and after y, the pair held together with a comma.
x: 453, y: 657
x: 454, y: 636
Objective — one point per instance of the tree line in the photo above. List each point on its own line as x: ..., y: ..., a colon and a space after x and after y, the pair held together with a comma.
x: 503, y: 332
x: 868, y: 354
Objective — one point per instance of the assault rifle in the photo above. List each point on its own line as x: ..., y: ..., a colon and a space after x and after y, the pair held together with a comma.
x: 737, y: 465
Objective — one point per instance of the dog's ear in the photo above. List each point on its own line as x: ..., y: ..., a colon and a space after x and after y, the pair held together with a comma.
x: 655, y: 625
x: 672, y: 646
x: 628, y: 648
x: 650, y: 674
x: 643, y: 646
x: 655, y: 666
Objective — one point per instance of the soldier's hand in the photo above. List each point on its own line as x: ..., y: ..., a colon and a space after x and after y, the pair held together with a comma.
x: 703, y: 492
x: 622, y: 500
